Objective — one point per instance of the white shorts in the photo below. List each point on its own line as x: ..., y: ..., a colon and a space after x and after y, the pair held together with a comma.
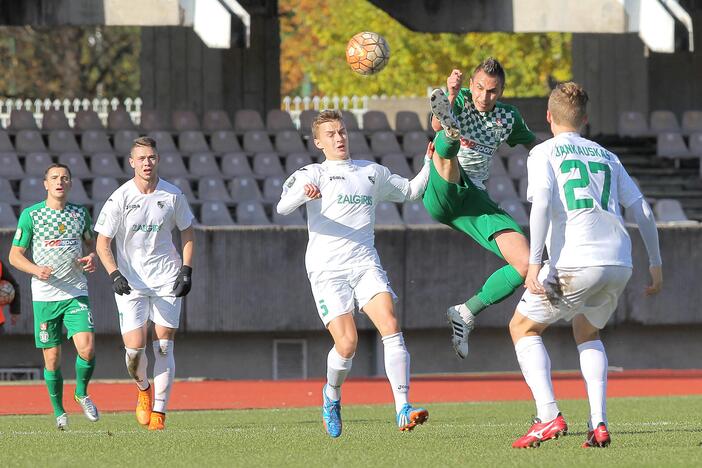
x: 141, y: 305
x: 590, y: 291
x: 340, y: 292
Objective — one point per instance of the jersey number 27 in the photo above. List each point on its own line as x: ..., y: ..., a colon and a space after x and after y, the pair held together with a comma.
x: 583, y: 181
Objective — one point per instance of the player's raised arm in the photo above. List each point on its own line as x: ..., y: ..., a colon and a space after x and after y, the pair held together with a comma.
x: 398, y: 189
x: 297, y: 191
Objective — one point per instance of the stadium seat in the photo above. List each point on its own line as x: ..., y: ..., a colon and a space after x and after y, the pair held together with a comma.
x: 164, y: 141
x: 277, y: 120
x: 212, y: 189
x: 415, y: 142
x: 293, y: 219
x: 671, y: 145
x: 119, y: 119
x: 6, y: 145
x: 251, y: 213
x: 523, y: 186
x: 7, y: 195
x: 95, y: 141
x: 185, y: 120
x: 35, y: 164
x: 54, y: 120
x: 213, y: 213
x: 170, y: 165
x: 235, y: 164
x: 78, y: 194
x: 76, y: 162
x: 10, y: 167
x: 357, y: 143
x: 668, y: 210
x: 244, y: 188
x: 124, y: 140
x: 103, y: 187
x: 8, y: 219
x: 184, y: 185
x: 215, y: 120
x: 154, y: 120
x: 21, y: 119
x: 29, y: 141
x: 413, y: 212
x: 384, y: 142
x: 272, y: 188
x: 288, y: 141
x: 497, y: 166
x: 692, y: 122
x: 696, y: 145
x: 663, y: 121
x: 267, y: 165
x: 63, y: 141
x: 295, y: 161
x: 350, y: 121
x: 375, y: 121
x: 88, y: 120
x: 192, y: 141
x: 31, y: 189
x: 516, y: 209
x: 386, y: 214
x: 501, y: 188
x: 632, y: 124
x: 246, y: 120
x: 225, y: 141
x: 408, y: 121
x: 204, y: 164
x: 397, y: 163
x: 306, y: 119
x: 516, y: 166
x: 257, y: 141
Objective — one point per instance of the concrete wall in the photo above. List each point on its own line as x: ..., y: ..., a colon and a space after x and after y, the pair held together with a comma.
x: 250, y: 288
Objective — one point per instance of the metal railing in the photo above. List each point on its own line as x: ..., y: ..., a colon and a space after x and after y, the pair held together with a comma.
x: 70, y: 107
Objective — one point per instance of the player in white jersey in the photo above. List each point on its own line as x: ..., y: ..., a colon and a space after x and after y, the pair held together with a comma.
x: 57, y: 231
x: 576, y: 187
x: 343, y: 267
x: 149, y: 278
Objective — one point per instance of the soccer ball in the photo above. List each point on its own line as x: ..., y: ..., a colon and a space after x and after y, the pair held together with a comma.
x: 7, y: 292
x: 367, y: 53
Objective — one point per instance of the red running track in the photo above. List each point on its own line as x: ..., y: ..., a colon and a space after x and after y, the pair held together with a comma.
x: 240, y: 394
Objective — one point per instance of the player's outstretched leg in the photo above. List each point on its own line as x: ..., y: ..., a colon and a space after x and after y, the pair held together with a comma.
x: 462, y: 323
x: 598, y: 437
x: 408, y: 417
x: 331, y: 414
x: 441, y: 108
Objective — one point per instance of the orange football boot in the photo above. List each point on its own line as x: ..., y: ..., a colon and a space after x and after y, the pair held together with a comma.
x: 144, y: 405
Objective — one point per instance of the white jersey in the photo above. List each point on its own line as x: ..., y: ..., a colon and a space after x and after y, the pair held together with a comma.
x: 341, y: 222
x: 141, y: 225
x: 587, y: 184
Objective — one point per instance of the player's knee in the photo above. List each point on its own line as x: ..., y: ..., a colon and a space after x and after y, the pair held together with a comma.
x: 87, y: 353
x: 346, y: 346
x: 518, y: 326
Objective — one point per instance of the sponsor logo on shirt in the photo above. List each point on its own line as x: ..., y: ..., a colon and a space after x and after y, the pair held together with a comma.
x: 132, y: 207
x: 146, y: 227
x: 366, y: 200
x: 60, y: 242
x: 337, y: 177
x: 475, y: 146
x: 290, y: 182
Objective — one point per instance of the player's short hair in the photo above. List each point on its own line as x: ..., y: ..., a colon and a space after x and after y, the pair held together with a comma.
x: 60, y: 166
x: 329, y: 115
x: 568, y: 104
x: 492, y: 67
x: 144, y: 142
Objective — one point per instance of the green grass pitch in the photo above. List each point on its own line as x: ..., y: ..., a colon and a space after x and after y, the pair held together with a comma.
x: 663, y: 431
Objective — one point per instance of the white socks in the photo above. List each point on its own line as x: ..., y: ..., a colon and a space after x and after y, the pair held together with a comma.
x: 137, y: 361
x: 338, y: 368
x: 593, y: 365
x: 164, y: 372
x: 536, y: 368
x: 397, y: 367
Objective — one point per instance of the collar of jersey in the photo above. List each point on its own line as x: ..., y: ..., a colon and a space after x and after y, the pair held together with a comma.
x: 342, y: 164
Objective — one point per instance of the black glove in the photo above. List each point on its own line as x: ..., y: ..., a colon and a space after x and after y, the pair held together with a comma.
x: 119, y: 283
x: 183, y: 282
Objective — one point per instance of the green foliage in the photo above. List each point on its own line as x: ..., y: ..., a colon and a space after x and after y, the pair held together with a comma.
x: 661, y: 431
x: 314, y: 36
x: 70, y: 62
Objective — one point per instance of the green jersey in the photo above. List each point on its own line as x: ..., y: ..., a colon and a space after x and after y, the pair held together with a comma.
x: 483, y: 132
x: 56, y: 238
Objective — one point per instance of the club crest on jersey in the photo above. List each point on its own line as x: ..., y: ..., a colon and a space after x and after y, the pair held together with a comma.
x: 371, y: 179
x: 160, y: 204
x: 61, y: 228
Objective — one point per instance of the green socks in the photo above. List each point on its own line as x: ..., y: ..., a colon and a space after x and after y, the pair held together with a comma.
x: 444, y: 146
x: 84, y: 371
x: 54, y: 382
x: 499, y: 286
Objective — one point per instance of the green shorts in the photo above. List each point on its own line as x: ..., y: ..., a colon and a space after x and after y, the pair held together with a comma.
x: 467, y: 209
x: 51, y: 317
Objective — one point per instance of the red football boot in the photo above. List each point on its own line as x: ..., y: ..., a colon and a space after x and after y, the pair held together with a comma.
x: 540, y: 432
x: 598, y: 437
